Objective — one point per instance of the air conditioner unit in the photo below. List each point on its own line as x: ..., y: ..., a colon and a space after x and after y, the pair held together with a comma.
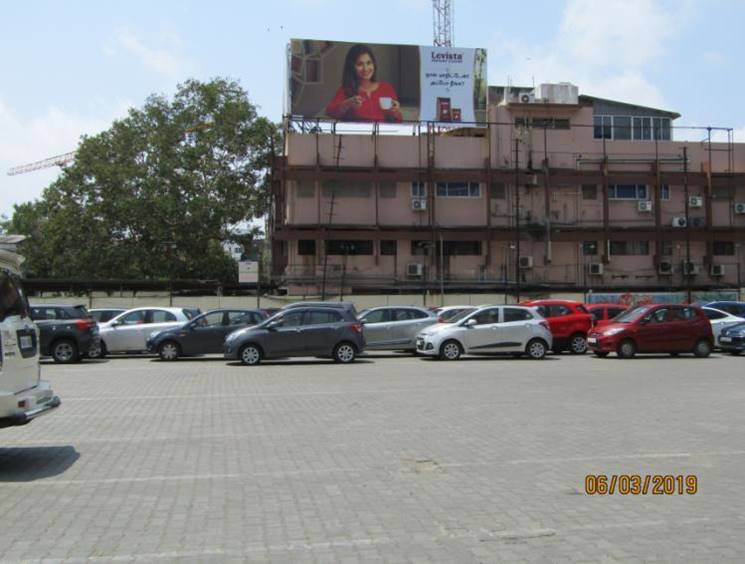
x: 739, y: 207
x: 527, y: 98
x: 698, y: 222
x: 415, y: 270
x: 419, y: 204
x: 644, y: 206
x: 596, y: 268
x: 690, y: 269
x: 718, y: 270
x: 695, y: 202
x: 679, y: 221
x: 665, y: 268
x: 526, y: 262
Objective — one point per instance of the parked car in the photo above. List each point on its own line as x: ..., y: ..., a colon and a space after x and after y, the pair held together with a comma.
x: 735, y: 308
x: 720, y: 320
x: 102, y: 315
x: 602, y: 314
x: 446, y: 313
x: 128, y: 331
x: 395, y: 327
x: 732, y: 339
x: 490, y: 329
x: 66, y: 332
x: 662, y: 328
x: 348, y: 306
x: 204, y: 334
x: 569, y: 322
x: 321, y: 331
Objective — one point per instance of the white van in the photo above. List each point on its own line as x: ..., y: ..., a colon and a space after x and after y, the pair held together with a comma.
x: 23, y: 396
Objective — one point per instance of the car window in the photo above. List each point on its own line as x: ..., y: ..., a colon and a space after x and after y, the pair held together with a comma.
x: 597, y: 313
x: 321, y: 317
x: 487, y: 316
x: 191, y: 313
x: 41, y: 313
x: 289, y: 319
x: 544, y: 311
x: 559, y: 310
x: 614, y: 312
x: 133, y: 318
x: 582, y: 309
x: 516, y: 314
x: 713, y: 314
x: 376, y: 316
x: 12, y: 299
x: 452, y: 314
x: 242, y: 318
x: 213, y: 319
x: 161, y: 316
x: 684, y: 313
x: 80, y: 312
x: 407, y: 314
x: 659, y: 315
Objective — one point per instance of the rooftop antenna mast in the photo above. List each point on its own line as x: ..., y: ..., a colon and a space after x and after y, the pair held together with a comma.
x: 443, y: 21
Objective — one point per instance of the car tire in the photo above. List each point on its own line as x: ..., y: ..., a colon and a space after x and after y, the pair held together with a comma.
x: 97, y: 353
x: 626, y: 349
x: 169, y: 350
x: 65, y: 351
x: 345, y: 352
x: 702, y: 348
x: 601, y: 354
x: 450, y: 350
x: 578, y: 344
x: 250, y: 354
x: 536, y: 349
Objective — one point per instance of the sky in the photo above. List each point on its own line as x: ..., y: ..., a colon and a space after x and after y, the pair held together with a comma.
x: 70, y: 68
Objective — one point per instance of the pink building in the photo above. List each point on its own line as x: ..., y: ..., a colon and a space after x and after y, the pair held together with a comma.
x: 557, y: 191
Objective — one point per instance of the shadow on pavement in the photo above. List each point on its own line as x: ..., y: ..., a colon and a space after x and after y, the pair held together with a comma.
x: 299, y: 363
x: 26, y: 464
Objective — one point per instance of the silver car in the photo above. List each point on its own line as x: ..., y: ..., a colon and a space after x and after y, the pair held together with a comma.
x: 395, y: 327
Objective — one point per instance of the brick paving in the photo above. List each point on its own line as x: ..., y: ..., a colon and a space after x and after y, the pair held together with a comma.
x: 394, y: 459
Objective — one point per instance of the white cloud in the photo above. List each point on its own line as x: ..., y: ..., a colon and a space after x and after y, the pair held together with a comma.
x: 164, y: 59
x: 721, y: 136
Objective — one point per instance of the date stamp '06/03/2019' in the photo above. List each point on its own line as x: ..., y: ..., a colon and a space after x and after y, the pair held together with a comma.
x: 636, y: 484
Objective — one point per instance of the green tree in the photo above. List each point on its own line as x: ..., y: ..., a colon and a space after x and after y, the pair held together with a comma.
x: 158, y: 193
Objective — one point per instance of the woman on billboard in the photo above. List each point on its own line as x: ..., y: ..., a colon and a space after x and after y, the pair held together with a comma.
x: 361, y: 96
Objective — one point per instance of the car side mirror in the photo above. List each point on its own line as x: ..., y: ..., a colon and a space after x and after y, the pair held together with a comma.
x: 273, y: 325
x: 470, y: 323
x: 116, y: 323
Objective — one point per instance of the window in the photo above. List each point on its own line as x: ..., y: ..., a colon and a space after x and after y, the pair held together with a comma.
x: 12, y: 300
x: 723, y: 248
x: 714, y: 314
x: 134, y: 318
x: 458, y: 190
x: 661, y: 128
x: 461, y: 248
x: 642, y: 128
x: 621, y: 127
x: 627, y: 191
x: 602, y: 127
x: 683, y: 314
x: 306, y: 189
x: 351, y: 248
x: 376, y: 316
x: 589, y: 248
x: 615, y: 312
x: 407, y: 314
x: 306, y: 247
x: 559, y: 311
x: 387, y: 189
x: 664, y: 192
x: 418, y: 189
x: 243, y: 318
x: 161, y: 316
x: 346, y: 189
x: 213, y: 319
x: 419, y: 248
x: 388, y: 247
x: 290, y: 319
x: 497, y: 191
x: 515, y: 314
x: 487, y: 317
x: 629, y: 247
x: 659, y: 316
x: 589, y: 192
x: 597, y: 314
x: 543, y: 122
x: 667, y: 249
x: 318, y: 317
x: 719, y: 192
x: 639, y: 128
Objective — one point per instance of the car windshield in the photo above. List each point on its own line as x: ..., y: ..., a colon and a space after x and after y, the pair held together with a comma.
x: 631, y: 315
x: 461, y: 316
x: 454, y: 315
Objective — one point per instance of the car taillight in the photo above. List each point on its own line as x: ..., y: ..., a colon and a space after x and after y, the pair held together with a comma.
x: 357, y: 327
x: 84, y: 324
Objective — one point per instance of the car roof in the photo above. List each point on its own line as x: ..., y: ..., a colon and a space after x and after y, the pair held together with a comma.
x: 338, y: 305
x: 108, y: 309
x: 57, y: 305
x: 164, y: 308
x: 399, y: 306
x: 551, y: 301
x: 603, y: 304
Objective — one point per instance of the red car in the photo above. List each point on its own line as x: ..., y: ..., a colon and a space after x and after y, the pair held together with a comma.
x: 659, y: 328
x: 603, y: 313
x: 569, y: 322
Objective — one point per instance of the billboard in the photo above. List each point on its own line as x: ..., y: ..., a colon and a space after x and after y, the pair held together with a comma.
x: 372, y: 82
x: 248, y: 272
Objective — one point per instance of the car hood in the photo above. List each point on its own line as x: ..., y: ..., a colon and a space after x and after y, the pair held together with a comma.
x: 737, y: 330
x: 251, y: 329
x: 436, y: 328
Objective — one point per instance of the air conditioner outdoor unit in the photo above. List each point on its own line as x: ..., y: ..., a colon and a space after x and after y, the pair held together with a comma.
x: 526, y: 262
x: 690, y: 269
x: 596, y: 268
x: 739, y: 207
x: 679, y: 221
x: 418, y: 204
x: 695, y: 202
x: 527, y: 98
x: 644, y: 206
x: 415, y: 270
x: 665, y: 267
x: 698, y: 222
x: 718, y: 270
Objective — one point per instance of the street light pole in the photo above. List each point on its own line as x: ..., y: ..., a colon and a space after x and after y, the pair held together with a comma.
x: 517, y: 219
x: 688, y: 227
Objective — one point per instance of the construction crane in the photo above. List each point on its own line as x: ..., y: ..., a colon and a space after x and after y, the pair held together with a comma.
x: 443, y: 21
x: 59, y: 160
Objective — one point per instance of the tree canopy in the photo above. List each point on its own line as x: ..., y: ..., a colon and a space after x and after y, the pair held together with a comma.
x: 157, y: 194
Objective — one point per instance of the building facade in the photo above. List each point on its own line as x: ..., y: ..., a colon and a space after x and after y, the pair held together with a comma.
x: 557, y: 191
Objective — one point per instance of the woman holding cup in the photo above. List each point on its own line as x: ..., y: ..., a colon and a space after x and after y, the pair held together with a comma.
x: 361, y: 96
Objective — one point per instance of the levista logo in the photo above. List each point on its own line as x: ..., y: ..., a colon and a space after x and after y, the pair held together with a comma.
x: 446, y: 57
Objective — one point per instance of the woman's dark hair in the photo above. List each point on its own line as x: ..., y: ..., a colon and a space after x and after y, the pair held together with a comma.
x: 349, y: 79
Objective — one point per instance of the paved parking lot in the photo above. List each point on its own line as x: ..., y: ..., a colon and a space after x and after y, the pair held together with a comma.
x: 393, y: 459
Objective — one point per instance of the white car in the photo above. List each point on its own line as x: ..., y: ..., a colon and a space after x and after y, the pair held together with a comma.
x: 490, y: 329
x: 720, y: 320
x: 129, y: 331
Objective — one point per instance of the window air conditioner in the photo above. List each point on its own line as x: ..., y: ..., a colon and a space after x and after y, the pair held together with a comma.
x: 665, y: 268
x: 419, y: 204
x: 717, y: 270
x: 527, y: 98
x: 644, y: 206
x: 526, y: 262
x: 596, y: 268
x: 690, y: 269
x: 415, y: 270
x: 739, y: 207
x: 695, y: 202
x: 679, y: 221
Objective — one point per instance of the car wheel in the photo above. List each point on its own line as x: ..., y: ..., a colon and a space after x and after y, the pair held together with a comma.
x: 344, y: 353
x: 536, y: 349
x: 450, y: 350
x: 702, y: 348
x: 578, y: 344
x: 97, y: 351
x: 65, y: 351
x: 250, y: 355
x: 169, y: 350
x: 626, y: 349
x: 601, y: 354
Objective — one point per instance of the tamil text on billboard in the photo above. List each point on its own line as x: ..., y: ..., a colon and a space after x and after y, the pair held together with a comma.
x: 359, y: 82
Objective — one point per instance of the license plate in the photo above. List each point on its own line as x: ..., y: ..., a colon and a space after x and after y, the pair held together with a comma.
x: 26, y: 342
x: 725, y: 339
x: 592, y: 341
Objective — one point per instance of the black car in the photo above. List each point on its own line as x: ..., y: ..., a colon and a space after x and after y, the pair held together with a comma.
x: 202, y: 335
x: 67, y: 332
x: 327, y: 332
x: 735, y: 308
x: 732, y: 339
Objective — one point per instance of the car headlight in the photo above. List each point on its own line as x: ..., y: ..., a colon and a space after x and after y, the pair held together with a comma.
x: 611, y: 332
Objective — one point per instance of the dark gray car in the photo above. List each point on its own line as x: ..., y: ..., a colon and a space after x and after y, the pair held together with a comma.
x: 299, y: 331
x: 395, y: 327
